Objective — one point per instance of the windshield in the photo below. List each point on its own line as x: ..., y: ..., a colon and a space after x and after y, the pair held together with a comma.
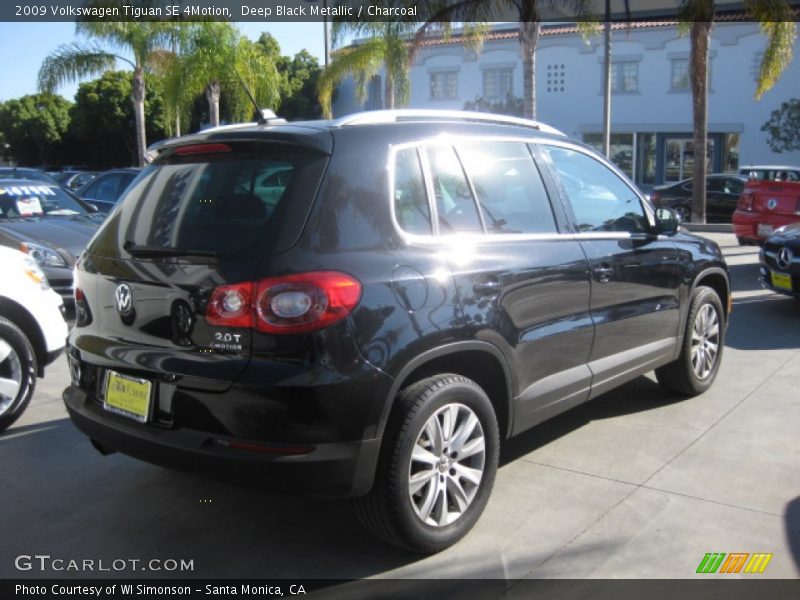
x: 23, y: 201
x: 28, y: 174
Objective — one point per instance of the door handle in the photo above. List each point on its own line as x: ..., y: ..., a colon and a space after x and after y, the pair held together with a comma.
x: 603, y: 273
x: 487, y: 288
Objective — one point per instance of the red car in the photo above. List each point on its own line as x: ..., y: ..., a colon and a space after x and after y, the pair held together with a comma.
x: 763, y: 207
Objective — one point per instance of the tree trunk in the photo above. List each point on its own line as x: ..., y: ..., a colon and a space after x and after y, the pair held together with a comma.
x: 213, y: 91
x: 388, y: 94
x: 529, y: 39
x: 138, y: 113
x: 698, y: 72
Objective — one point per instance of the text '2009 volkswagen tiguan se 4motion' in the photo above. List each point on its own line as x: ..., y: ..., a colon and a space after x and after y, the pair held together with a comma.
x: 367, y: 306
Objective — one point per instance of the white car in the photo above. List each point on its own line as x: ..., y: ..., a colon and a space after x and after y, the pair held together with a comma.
x: 32, y: 330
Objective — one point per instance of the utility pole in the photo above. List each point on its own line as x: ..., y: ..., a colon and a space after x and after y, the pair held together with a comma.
x: 607, y: 83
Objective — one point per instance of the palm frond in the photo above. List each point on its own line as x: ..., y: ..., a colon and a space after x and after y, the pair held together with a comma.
x: 71, y: 62
x: 362, y: 61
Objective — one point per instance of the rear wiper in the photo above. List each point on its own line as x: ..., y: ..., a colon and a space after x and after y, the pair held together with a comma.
x: 160, y: 251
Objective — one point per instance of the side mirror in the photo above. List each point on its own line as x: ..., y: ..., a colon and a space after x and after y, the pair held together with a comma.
x: 667, y: 221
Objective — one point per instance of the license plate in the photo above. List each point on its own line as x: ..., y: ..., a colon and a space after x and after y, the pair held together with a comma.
x: 128, y: 396
x: 765, y: 230
x: 781, y: 281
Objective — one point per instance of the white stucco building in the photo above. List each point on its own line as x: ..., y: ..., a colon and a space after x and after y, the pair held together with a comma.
x: 651, y: 101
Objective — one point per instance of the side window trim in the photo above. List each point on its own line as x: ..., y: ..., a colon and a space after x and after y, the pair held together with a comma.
x: 427, y: 176
x: 472, y: 191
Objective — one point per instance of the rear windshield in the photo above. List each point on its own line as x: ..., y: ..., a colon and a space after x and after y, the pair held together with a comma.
x: 224, y: 204
x: 22, y: 201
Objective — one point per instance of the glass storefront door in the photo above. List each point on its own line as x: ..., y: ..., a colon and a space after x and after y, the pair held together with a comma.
x: 679, y: 158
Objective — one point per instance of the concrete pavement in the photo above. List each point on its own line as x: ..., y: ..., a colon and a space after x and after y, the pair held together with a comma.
x: 635, y: 484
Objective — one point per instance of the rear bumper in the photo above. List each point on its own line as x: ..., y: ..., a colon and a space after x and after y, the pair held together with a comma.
x: 745, y: 223
x: 335, y: 469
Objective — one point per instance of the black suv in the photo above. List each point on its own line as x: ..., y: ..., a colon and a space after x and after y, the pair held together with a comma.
x: 365, y: 307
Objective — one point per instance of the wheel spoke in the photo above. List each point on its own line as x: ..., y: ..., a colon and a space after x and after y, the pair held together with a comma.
x: 420, y: 454
x: 471, y: 448
x: 440, y: 514
x: 468, y: 473
x: 463, y: 433
x: 5, y: 350
x: 418, y: 480
x: 432, y: 494
x: 449, y: 418
x: 9, y: 388
x: 458, y: 493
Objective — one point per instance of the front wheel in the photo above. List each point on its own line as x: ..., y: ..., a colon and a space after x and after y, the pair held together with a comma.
x: 694, y: 371
x: 17, y: 372
x: 437, y: 465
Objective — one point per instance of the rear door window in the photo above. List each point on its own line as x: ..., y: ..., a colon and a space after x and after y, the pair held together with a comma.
x: 510, y: 191
x: 455, y: 205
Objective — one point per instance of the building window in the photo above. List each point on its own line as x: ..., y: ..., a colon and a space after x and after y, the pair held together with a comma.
x: 679, y: 74
x: 555, y: 78
x: 756, y: 66
x: 497, y: 83
x: 625, y: 77
x: 444, y: 85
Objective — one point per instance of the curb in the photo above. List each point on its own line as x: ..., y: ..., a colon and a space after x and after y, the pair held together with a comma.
x: 708, y: 227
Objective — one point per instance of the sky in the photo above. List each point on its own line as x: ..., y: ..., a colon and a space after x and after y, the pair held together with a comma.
x: 23, y: 47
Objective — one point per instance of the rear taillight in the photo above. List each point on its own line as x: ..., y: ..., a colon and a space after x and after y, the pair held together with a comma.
x: 746, y: 201
x: 290, y: 304
x: 231, y: 306
x: 83, y: 315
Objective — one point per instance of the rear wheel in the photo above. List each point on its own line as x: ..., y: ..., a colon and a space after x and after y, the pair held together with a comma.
x: 696, y: 368
x: 437, y: 466
x: 17, y: 372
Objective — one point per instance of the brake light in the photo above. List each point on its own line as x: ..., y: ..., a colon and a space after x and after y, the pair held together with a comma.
x: 202, y: 149
x: 297, y: 303
x: 231, y: 306
x: 746, y: 201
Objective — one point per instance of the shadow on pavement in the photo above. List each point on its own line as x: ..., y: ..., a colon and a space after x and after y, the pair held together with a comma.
x: 768, y: 322
x: 70, y: 502
x: 637, y: 396
x: 792, y: 518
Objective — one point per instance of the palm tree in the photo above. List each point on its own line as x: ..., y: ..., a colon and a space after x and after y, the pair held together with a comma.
x: 387, y: 45
x: 777, y: 23
x: 71, y: 62
x: 216, y: 58
x: 528, y: 12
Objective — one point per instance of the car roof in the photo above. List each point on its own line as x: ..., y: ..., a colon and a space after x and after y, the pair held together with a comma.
x: 317, y: 133
x: 28, y: 182
x: 770, y: 167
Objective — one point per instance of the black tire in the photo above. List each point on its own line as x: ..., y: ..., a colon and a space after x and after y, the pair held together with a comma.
x: 389, y: 511
x: 681, y: 376
x: 17, y: 367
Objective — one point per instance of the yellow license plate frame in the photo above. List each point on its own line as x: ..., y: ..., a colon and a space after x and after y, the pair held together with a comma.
x: 128, y: 396
x: 782, y: 281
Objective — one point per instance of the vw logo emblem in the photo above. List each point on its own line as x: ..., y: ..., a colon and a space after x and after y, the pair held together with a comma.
x: 784, y: 258
x: 124, y: 299
x: 772, y: 203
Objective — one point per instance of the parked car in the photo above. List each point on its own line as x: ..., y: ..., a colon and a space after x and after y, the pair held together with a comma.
x: 780, y: 261
x: 73, y: 180
x: 107, y: 188
x: 26, y: 174
x: 770, y: 172
x: 412, y: 288
x: 722, y: 194
x: 45, y: 221
x: 763, y: 207
x: 32, y: 331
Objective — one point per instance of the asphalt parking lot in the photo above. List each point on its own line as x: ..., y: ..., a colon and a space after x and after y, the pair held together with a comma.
x: 635, y: 484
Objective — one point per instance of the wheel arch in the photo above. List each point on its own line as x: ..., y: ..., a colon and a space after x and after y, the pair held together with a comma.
x: 479, y: 361
x: 19, y: 315
x: 717, y: 279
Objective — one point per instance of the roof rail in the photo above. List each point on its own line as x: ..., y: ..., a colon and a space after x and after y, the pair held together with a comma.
x: 372, y: 117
